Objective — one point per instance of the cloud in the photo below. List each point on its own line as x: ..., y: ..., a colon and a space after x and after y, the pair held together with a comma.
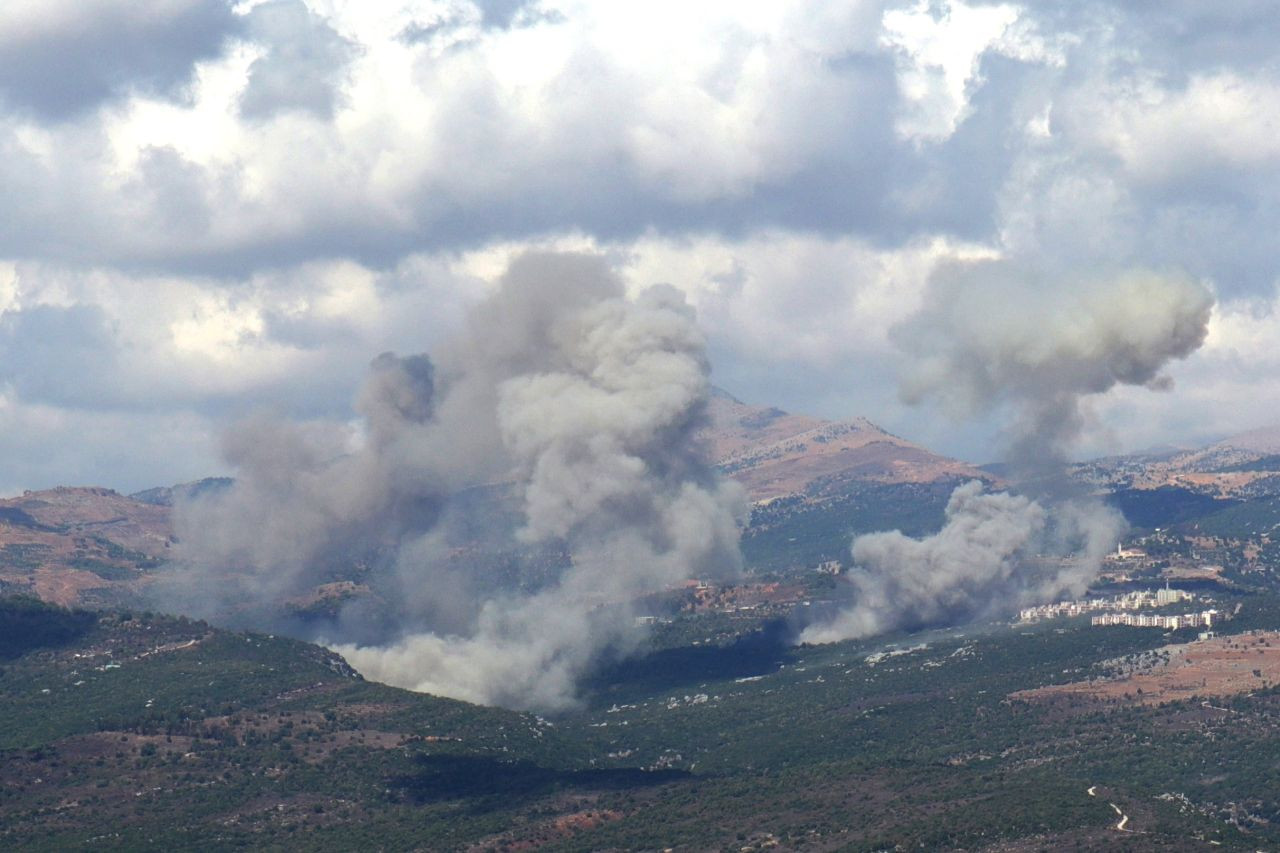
x: 45, y: 446
x: 303, y: 65
x: 60, y: 58
x: 226, y: 162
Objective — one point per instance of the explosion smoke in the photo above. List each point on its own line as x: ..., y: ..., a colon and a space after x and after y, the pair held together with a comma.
x: 582, y: 399
x: 986, y: 338
x: 992, y: 333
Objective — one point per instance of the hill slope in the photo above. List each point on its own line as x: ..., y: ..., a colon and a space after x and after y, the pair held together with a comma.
x: 774, y: 453
x: 79, y: 545
x: 132, y: 732
x: 1242, y: 466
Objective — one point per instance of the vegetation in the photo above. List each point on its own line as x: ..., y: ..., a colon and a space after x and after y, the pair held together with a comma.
x: 127, y: 730
x: 29, y: 623
x: 1164, y: 507
x: 799, y: 532
x: 165, y: 732
x: 1270, y: 462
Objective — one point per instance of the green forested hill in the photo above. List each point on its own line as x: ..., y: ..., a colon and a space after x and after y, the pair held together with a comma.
x: 147, y: 732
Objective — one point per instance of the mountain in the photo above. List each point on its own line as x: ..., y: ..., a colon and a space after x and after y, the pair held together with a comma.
x: 168, y: 495
x: 95, y: 547
x: 774, y: 453
x: 1242, y: 466
x: 1264, y: 440
x: 82, y: 545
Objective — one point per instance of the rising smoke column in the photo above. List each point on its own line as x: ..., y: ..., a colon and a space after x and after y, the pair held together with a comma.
x: 585, y: 400
x: 993, y: 334
x: 903, y: 582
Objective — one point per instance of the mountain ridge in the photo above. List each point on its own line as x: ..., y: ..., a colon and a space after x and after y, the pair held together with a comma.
x: 773, y: 453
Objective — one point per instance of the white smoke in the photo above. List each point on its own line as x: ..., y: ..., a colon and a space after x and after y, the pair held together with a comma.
x: 993, y: 334
x: 584, y: 401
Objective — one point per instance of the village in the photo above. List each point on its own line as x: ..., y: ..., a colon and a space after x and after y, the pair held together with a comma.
x: 1122, y: 610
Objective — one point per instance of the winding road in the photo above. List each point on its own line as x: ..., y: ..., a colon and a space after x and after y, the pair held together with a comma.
x: 1124, y: 818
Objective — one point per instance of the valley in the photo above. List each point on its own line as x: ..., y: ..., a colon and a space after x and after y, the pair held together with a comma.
x: 124, y: 728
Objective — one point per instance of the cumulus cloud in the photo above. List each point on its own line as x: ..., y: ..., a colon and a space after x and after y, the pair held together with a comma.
x: 198, y: 150
x: 579, y: 401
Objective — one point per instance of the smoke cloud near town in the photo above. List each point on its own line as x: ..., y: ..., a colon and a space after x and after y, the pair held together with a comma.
x: 506, y: 499
x: 993, y: 337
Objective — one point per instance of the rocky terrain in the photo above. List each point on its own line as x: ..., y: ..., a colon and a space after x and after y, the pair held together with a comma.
x: 1246, y: 465
x: 80, y: 545
x: 774, y: 453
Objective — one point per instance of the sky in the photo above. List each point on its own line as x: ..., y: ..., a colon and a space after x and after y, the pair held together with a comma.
x: 211, y: 208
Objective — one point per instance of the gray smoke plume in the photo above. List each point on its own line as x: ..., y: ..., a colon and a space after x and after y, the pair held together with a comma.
x: 574, y: 401
x: 993, y: 551
x: 991, y: 335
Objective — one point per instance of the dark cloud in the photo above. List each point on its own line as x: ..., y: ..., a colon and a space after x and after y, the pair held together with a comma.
x: 69, y: 57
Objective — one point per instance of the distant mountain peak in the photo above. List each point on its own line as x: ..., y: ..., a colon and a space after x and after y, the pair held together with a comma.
x: 773, y: 452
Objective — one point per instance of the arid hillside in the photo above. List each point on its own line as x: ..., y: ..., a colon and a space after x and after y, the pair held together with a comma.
x: 79, y: 545
x: 1245, y: 465
x: 774, y: 453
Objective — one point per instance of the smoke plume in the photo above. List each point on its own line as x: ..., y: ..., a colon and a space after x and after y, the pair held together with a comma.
x: 557, y: 431
x: 992, y: 335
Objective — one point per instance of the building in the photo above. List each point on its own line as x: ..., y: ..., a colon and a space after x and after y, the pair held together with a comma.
x: 1203, y: 619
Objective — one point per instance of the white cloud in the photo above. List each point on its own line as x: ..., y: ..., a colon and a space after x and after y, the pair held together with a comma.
x: 1164, y: 133
x: 798, y: 168
x: 939, y: 50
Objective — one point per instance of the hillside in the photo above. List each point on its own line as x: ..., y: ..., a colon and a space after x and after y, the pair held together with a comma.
x: 128, y: 731
x: 121, y: 731
x: 1242, y: 466
x: 774, y: 453
x: 79, y: 545
x: 1262, y: 440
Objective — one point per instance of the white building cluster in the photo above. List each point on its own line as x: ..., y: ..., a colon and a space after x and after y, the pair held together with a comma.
x: 1128, y: 601
x: 1204, y: 619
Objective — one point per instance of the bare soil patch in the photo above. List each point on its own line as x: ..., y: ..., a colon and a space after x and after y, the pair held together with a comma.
x: 1220, y: 666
